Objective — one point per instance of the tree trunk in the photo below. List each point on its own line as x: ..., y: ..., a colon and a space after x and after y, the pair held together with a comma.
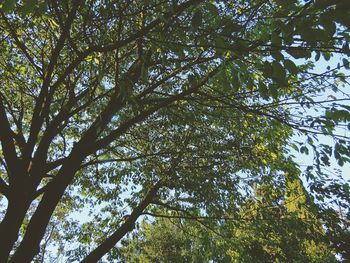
x: 30, y: 245
x: 10, y: 226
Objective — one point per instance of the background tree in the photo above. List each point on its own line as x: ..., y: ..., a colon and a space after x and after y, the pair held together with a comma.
x: 278, y: 224
x: 111, y: 106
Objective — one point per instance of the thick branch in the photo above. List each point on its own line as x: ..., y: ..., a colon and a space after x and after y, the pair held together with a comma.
x: 7, y: 143
x: 30, y: 244
x: 4, y: 188
x: 111, y: 241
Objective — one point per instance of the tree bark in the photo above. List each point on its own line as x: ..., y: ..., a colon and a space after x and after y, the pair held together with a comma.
x: 30, y: 244
x: 10, y: 226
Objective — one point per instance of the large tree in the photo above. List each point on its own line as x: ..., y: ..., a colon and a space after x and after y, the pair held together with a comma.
x: 111, y: 106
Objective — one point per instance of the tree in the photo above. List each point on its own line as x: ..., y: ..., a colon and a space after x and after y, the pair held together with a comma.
x: 277, y: 225
x: 113, y: 104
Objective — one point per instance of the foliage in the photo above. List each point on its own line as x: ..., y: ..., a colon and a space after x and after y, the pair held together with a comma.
x: 111, y: 108
x: 276, y: 225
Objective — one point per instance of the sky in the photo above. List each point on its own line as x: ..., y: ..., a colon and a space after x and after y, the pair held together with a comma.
x: 320, y: 67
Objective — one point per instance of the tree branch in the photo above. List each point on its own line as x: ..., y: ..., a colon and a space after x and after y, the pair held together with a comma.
x: 7, y: 143
x: 4, y: 188
x: 126, y: 227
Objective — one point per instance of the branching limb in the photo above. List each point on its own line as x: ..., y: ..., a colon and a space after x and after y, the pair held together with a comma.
x: 126, y: 227
x: 7, y: 143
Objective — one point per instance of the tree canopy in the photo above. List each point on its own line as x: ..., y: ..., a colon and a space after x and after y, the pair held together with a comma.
x: 114, y: 110
x: 278, y: 225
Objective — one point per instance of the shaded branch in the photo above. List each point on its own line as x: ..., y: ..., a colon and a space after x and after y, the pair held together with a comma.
x: 4, y: 188
x: 126, y: 227
x: 7, y: 143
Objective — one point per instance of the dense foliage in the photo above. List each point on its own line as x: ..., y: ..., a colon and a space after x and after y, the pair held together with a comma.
x: 112, y: 110
x: 267, y: 229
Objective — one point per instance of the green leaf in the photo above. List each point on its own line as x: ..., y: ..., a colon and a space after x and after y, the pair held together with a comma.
x: 267, y: 69
x: 318, y: 55
x: 276, y: 40
x: 329, y: 25
x: 290, y: 65
x: 273, y: 90
x: 144, y: 74
x: 212, y: 9
x: 299, y: 53
x: 220, y: 45
x: 197, y: 19
x: 295, y: 147
x: 304, y: 149
x: 323, y: 4
x: 263, y: 90
x: 337, y: 154
x: 89, y: 58
x: 223, y: 78
x: 327, y: 55
x: 8, y: 5
x: 29, y: 6
x: 192, y: 80
x: 277, y: 55
x: 231, y: 27
x: 310, y: 34
x: 235, y: 78
x: 278, y: 71
x: 325, y: 160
